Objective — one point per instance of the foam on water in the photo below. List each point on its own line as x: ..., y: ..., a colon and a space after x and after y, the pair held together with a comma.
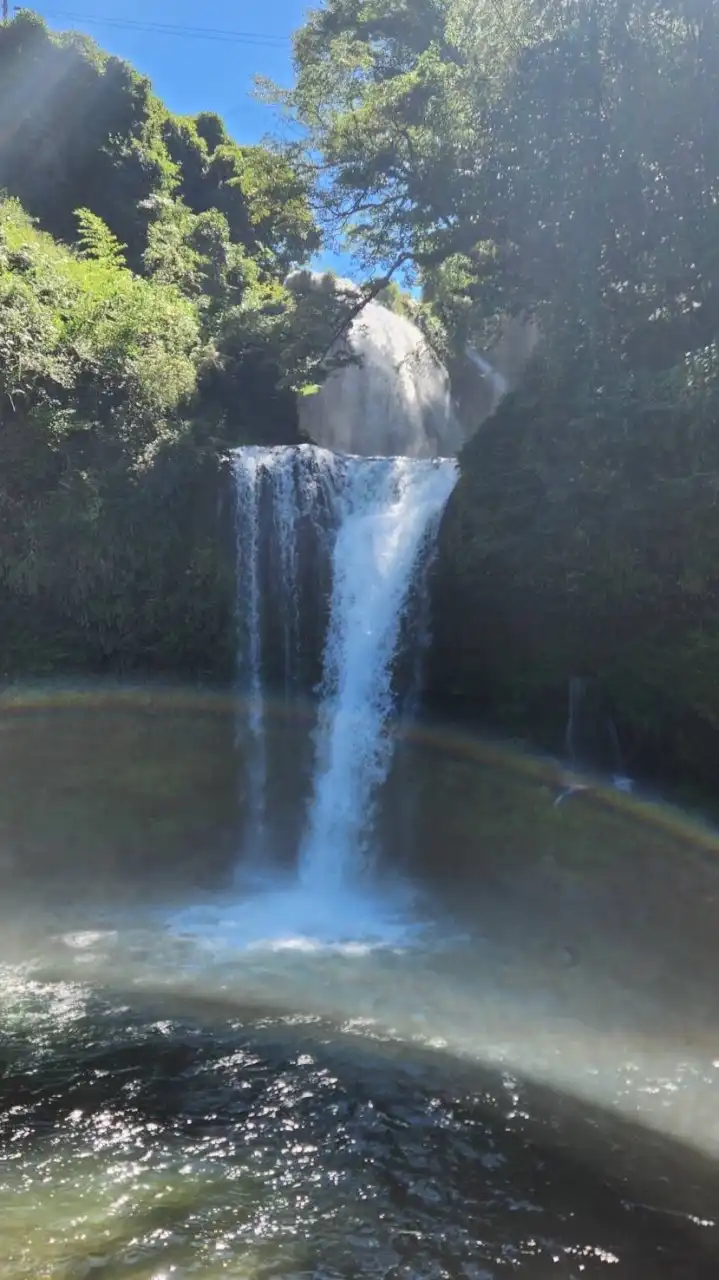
x: 283, y: 916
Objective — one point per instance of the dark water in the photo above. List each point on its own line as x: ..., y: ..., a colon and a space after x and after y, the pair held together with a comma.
x: 510, y: 1069
x: 135, y: 1146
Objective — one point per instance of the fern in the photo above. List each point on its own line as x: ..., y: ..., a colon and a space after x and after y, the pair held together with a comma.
x: 98, y: 241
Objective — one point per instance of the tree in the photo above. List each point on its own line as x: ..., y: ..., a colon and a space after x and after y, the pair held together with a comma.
x: 526, y: 158
x: 260, y: 192
x: 84, y: 133
x: 144, y: 331
x: 558, y: 162
x: 88, y: 132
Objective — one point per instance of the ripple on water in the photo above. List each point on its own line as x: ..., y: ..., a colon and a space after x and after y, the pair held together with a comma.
x: 140, y: 1144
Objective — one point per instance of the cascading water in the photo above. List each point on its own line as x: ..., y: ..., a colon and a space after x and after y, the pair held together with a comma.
x: 358, y: 531
x: 392, y: 397
x: 387, y: 509
x: 286, y: 512
x: 247, y: 467
x: 591, y: 738
x: 283, y: 514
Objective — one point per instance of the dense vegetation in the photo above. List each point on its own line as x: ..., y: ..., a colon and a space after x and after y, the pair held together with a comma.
x: 553, y: 162
x: 144, y: 329
x: 560, y: 162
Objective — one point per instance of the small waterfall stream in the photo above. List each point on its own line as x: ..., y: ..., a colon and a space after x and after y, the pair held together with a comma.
x: 247, y: 470
x: 287, y: 511
x: 591, y: 740
x: 347, y: 538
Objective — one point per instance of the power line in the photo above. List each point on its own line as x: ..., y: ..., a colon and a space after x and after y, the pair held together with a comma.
x: 253, y: 38
x: 170, y: 28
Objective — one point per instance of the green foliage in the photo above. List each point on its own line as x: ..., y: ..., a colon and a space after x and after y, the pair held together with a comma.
x: 457, y: 137
x: 559, y: 163
x: 394, y: 298
x: 88, y: 133
x: 97, y: 241
x: 115, y: 393
x: 196, y: 253
x: 259, y: 192
x: 97, y: 366
x: 109, y: 542
x: 84, y: 133
x: 583, y: 539
x: 144, y: 330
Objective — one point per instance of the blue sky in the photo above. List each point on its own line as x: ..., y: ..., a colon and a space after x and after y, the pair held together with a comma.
x: 192, y: 73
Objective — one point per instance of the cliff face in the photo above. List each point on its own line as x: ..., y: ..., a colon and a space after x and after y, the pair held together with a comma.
x: 585, y: 548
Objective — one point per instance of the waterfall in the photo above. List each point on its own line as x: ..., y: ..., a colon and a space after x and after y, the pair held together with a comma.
x: 393, y: 395
x: 387, y: 507
x: 247, y: 467
x: 286, y: 511
x: 592, y: 741
x: 346, y: 541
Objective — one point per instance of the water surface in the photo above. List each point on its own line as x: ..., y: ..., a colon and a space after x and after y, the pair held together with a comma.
x: 500, y: 1055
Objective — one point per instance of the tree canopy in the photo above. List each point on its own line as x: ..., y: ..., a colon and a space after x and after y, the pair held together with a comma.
x: 144, y: 330
x: 521, y: 156
x: 86, y: 130
x: 559, y: 162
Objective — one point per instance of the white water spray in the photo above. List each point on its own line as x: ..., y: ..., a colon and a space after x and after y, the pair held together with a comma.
x: 392, y: 397
x: 389, y: 507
